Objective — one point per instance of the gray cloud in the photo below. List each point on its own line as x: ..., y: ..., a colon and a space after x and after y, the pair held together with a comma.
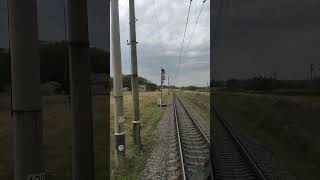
x: 51, y: 22
x: 4, y: 40
x: 261, y: 37
x: 159, y: 46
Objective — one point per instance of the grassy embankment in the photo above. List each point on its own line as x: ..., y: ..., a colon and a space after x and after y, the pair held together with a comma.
x: 57, y: 128
x: 288, y: 125
x: 57, y: 137
x: 150, y: 114
x: 199, y: 101
x: 5, y: 139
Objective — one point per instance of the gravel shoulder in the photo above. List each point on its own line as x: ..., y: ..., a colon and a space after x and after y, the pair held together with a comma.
x: 157, y: 164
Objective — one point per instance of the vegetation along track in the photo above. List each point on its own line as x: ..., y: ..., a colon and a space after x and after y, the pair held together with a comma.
x: 231, y: 158
x: 189, y: 145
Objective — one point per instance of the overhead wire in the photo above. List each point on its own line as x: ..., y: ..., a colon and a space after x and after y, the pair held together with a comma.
x: 194, y: 27
x: 220, y: 7
x: 157, y: 20
x: 184, y: 35
x: 155, y: 12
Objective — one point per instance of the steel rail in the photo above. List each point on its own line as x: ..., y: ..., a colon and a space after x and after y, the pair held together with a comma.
x: 179, y: 140
x: 242, y: 148
x: 197, y: 127
x: 194, y: 120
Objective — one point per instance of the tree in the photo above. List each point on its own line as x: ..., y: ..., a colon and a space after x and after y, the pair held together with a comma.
x: 5, y: 69
x: 54, y: 65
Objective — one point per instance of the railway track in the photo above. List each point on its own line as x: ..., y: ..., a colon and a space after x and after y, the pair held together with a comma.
x: 190, y: 146
x: 231, y: 158
x: 190, y: 149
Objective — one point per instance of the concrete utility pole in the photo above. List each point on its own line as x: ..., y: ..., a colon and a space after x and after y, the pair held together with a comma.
x: 134, y: 76
x: 81, y: 110
x: 161, y: 86
x: 108, y: 129
x: 162, y: 80
x: 168, y: 85
x: 26, y: 99
x: 117, y: 84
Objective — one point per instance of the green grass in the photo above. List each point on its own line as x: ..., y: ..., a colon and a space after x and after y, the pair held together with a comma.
x: 199, y: 101
x: 6, y: 158
x: 150, y: 114
x: 57, y: 136
x: 288, y: 125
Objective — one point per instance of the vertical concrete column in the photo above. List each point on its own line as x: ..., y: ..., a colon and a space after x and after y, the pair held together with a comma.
x: 134, y: 76
x: 26, y: 99
x: 80, y: 91
x: 117, y: 83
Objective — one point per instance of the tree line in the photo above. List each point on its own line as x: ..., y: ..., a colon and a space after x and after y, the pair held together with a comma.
x: 262, y: 83
x: 54, y: 65
x: 194, y: 88
x: 126, y: 79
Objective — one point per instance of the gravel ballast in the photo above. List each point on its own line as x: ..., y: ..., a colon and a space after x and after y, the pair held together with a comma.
x: 157, y: 164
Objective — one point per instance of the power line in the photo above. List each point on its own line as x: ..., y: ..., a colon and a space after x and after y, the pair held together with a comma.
x: 155, y: 12
x: 157, y: 20
x: 220, y: 4
x: 216, y: 27
x: 185, y: 30
x: 194, y: 27
x: 184, y: 35
x: 195, y: 12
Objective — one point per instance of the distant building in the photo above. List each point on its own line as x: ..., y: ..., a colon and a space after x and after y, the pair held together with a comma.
x: 142, y: 88
x: 125, y: 89
x: 50, y: 88
x: 99, y: 84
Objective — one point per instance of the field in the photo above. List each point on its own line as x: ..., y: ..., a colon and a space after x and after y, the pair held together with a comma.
x: 56, y: 137
x: 199, y: 101
x: 287, y: 125
x: 150, y: 114
x: 57, y: 130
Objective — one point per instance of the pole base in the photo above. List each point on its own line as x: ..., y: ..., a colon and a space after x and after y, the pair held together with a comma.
x: 120, y: 149
x: 28, y: 154
x: 136, y: 134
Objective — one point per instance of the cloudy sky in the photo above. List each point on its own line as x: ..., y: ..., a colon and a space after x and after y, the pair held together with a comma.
x: 265, y: 36
x: 51, y: 22
x: 159, y: 44
x: 259, y: 37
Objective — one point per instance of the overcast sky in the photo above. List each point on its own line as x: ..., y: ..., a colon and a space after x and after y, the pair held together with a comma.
x: 265, y: 36
x: 51, y: 22
x: 259, y: 37
x: 159, y: 45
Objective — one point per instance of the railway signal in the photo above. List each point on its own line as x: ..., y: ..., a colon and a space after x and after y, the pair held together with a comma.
x: 134, y: 76
x: 26, y: 100
x: 117, y: 84
x: 168, y: 86
x: 163, y: 78
x: 81, y: 110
